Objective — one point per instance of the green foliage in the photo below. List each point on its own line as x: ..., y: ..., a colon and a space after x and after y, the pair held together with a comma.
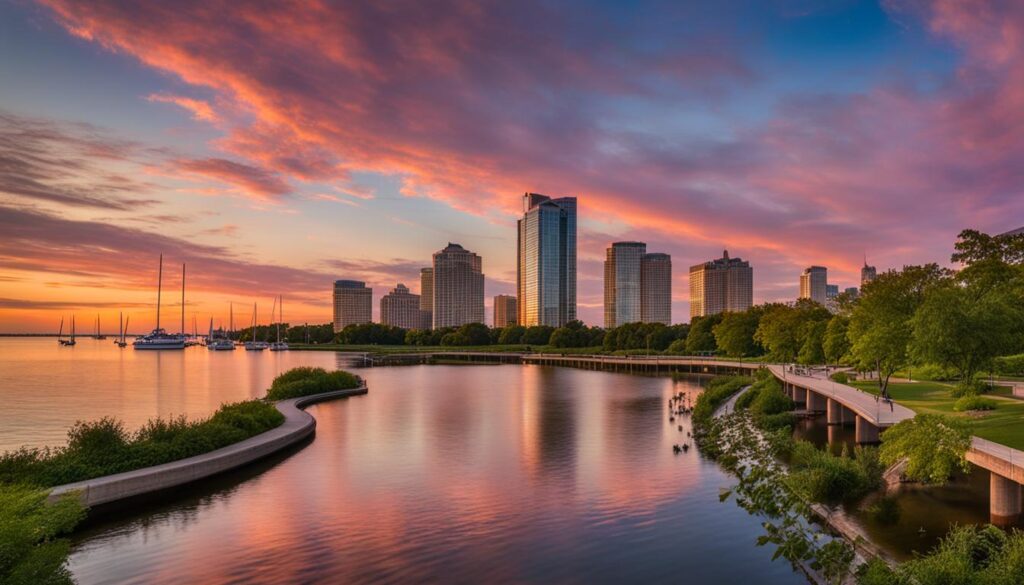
x: 836, y: 343
x: 576, y: 334
x: 840, y: 377
x: 880, y: 324
x: 1011, y: 365
x: 306, y: 381
x: 371, y: 334
x: 645, y: 336
x: 512, y: 335
x: 933, y: 373
x: 734, y: 335
x: 933, y: 445
x: 974, y: 402
x: 968, y: 555
x: 104, y: 447
x: 537, y: 335
x: 323, y: 333
x: 771, y: 399
x: 31, y: 550
x: 832, y: 479
x: 469, y: 334
x: 718, y: 390
x: 701, y: 337
x: 790, y: 332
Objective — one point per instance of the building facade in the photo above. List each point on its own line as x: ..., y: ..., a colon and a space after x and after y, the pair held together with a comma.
x: 546, y: 261
x: 814, y: 284
x: 400, y: 308
x: 656, y: 288
x: 867, y: 274
x: 353, y: 303
x: 505, y: 313
x: 622, y: 286
x: 426, y: 298
x: 458, y: 287
x: 724, y: 284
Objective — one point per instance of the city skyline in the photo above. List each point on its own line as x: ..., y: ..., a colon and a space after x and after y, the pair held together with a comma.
x: 267, y: 177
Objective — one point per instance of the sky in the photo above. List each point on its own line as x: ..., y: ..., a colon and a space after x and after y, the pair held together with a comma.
x: 275, y: 147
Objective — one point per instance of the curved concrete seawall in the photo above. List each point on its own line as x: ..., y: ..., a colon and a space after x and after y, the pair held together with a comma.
x: 297, y: 426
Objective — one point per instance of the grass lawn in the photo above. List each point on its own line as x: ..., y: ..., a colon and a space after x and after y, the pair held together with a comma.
x: 1003, y: 425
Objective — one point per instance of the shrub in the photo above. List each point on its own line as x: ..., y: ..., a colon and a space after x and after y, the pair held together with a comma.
x: 835, y: 478
x: 30, y: 548
x: 718, y: 390
x: 308, y: 381
x: 974, y: 402
x: 932, y: 373
x: 840, y: 378
x: 771, y: 399
x: 971, y: 388
x: 1011, y: 365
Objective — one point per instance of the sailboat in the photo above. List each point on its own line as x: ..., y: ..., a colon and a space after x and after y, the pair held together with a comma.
x: 60, y: 332
x: 124, y: 327
x: 72, y: 340
x: 279, y: 345
x: 98, y: 334
x: 217, y: 340
x: 60, y: 335
x: 252, y: 344
x: 159, y: 338
x: 192, y: 339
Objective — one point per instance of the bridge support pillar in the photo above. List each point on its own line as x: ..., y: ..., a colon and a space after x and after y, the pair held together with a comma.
x: 800, y: 395
x: 834, y: 412
x: 816, y: 402
x: 1004, y: 500
x: 866, y: 432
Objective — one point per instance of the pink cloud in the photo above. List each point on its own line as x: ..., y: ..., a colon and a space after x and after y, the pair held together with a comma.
x: 199, y: 109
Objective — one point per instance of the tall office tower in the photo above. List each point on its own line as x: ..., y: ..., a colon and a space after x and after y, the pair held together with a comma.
x: 622, y: 297
x: 725, y: 284
x: 831, y: 291
x: 851, y: 292
x: 656, y: 288
x: 426, y: 298
x: 458, y: 287
x: 546, y: 261
x: 400, y: 308
x: 353, y: 303
x: 867, y: 274
x: 814, y: 284
x: 504, y: 310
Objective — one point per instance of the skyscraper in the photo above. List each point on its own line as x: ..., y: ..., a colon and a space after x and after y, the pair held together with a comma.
x: 656, y: 288
x: 400, y: 308
x: 426, y: 298
x: 622, y: 295
x: 353, y: 303
x: 504, y: 310
x: 458, y: 287
x: 867, y: 274
x: 725, y: 284
x: 546, y: 261
x: 814, y: 284
x: 831, y: 291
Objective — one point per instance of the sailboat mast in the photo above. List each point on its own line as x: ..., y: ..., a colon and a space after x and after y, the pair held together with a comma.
x: 183, y: 299
x: 253, y: 323
x: 231, y: 320
x: 120, y: 319
x: 280, y: 309
x: 159, y: 286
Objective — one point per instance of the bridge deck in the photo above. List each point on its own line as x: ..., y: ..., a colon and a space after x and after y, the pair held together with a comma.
x: 878, y: 412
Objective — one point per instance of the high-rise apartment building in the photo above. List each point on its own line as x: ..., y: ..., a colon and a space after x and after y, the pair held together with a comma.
x: 656, y: 288
x: 814, y: 284
x: 546, y: 261
x: 867, y: 274
x: 353, y: 303
x: 400, y: 308
x: 851, y: 292
x: 504, y: 310
x: 831, y: 291
x: 725, y: 284
x: 458, y: 287
x: 622, y: 274
x: 426, y: 298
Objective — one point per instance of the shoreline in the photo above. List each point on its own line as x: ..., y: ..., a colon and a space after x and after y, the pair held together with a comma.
x: 298, y: 426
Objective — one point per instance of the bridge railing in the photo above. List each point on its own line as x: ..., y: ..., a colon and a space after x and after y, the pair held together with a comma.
x: 1014, y: 456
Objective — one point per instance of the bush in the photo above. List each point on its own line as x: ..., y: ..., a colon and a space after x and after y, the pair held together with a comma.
x: 832, y: 478
x: 718, y: 390
x: 307, y: 381
x: 932, y: 373
x: 30, y: 548
x: 104, y: 447
x: 840, y: 378
x: 972, y: 388
x: 1011, y: 365
x: 974, y: 402
x: 772, y: 400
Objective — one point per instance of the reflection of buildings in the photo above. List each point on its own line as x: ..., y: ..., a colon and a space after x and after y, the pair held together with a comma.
x: 548, y: 421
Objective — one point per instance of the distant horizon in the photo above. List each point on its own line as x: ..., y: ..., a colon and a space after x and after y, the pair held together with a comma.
x: 274, y: 160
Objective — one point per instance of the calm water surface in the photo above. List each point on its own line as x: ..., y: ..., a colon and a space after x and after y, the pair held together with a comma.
x: 441, y: 473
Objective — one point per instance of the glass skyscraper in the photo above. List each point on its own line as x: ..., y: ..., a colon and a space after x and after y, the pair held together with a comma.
x: 622, y: 290
x: 546, y: 261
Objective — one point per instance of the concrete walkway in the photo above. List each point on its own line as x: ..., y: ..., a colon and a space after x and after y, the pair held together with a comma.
x: 297, y: 426
x: 876, y: 411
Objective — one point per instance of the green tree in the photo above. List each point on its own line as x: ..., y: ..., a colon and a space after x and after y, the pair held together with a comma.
x: 836, y: 343
x: 475, y: 334
x: 538, y: 335
x: 31, y: 550
x: 735, y: 334
x: 812, y: 335
x: 880, y: 329
x: 701, y: 337
x: 511, y: 335
x: 934, y: 446
x: 783, y: 330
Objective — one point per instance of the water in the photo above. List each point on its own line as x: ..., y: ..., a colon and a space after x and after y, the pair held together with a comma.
x: 442, y: 473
